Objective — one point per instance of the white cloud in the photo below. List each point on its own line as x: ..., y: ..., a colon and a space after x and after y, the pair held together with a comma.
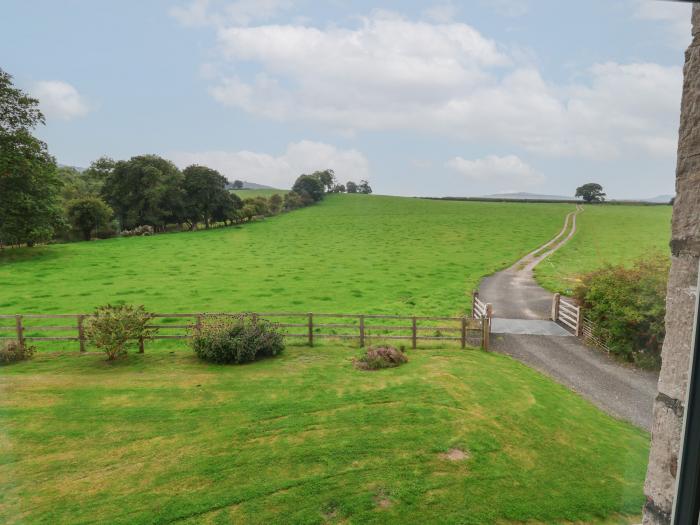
x: 59, y: 99
x: 281, y: 171
x: 499, y: 172
x: 675, y: 15
x: 446, y: 79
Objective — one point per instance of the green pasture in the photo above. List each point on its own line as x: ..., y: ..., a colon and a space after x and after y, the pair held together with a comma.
x: 306, y: 438
x: 606, y: 234
x: 263, y: 192
x: 347, y: 254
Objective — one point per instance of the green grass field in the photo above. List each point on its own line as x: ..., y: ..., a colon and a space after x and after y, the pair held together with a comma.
x: 306, y: 438
x: 605, y: 234
x: 245, y: 194
x: 350, y: 253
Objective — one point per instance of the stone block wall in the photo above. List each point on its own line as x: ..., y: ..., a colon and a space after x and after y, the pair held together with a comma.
x: 680, y: 302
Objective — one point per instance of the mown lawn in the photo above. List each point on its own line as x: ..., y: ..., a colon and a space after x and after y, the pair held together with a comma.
x: 306, y: 438
x: 350, y: 253
x: 607, y: 234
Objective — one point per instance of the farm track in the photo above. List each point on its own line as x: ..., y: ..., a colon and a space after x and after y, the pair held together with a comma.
x: 621, y: 391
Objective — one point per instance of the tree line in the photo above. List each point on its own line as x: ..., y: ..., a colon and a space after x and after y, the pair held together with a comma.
x: 40, y: 201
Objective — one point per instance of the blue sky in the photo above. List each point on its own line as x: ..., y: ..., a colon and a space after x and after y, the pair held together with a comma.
x: 421, y: 98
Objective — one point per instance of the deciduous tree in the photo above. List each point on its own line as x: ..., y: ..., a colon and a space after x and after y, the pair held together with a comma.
x: 29, y: 187
x: 88, y: 214
x: 591, y: 192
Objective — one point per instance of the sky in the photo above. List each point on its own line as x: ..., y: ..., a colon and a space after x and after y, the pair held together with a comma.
x: 420, y: 98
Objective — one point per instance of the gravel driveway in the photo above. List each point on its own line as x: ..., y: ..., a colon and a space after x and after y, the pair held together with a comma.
x: 623, y: 392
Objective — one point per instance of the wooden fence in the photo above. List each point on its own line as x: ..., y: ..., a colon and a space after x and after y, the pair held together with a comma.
x: 484, y: 312
x: 309, y: 326
x: 568, y: 314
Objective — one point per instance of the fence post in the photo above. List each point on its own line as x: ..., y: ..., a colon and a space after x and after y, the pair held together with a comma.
x: 579, y: 324
x: 20, y: 330
x: 464, y: 331
x: 362, y: 331
x: 555, y: 306
x: 311, y: 329
x: 475, y: 295
x: 488, y: 312
x: 414, y: 333
x: 81, y: 333
x: 198, y: 324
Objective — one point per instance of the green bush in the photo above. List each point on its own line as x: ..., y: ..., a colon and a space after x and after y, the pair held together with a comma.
x: 13, y: 351
x: 236, y: 339
x: 111, y: 328
x: 381, y: 357
x: 627, y: 307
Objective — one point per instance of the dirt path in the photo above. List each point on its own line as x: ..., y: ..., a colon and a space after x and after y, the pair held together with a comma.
x: 518, y: 301
x: 514, y: 293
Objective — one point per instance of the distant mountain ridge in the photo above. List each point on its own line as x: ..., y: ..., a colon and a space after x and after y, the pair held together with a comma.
x: 659, y: 199
x: 521, y: 195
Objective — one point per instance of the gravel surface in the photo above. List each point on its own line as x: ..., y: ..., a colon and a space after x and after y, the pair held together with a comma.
x: 621, y: 391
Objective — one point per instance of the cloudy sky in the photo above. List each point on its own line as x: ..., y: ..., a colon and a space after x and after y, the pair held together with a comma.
x: 421, y: 98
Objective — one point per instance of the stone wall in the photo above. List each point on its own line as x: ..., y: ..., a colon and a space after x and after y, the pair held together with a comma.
x: 680, y: 302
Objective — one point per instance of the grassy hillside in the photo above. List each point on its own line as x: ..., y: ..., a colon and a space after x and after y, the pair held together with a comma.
x: 264, y: 192
x: 352, y: 253
x: 306, y: 438
x: 607, y: 234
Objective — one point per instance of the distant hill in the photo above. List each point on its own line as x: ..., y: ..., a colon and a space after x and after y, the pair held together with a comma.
x: 527, y: 196
x: 665, y: 199
x: 251, y: 186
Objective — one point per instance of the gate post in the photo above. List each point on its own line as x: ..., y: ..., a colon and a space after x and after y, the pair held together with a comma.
x: 20, y: 330
x: 555, y: 306
x: 362, y: 331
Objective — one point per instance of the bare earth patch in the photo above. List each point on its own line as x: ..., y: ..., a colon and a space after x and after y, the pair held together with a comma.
x: 455, y: 454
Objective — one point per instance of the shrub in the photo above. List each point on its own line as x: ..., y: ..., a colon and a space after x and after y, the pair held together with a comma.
x: 237, y: 339
x: 13, y: 351
x: 381, y: 357
x: 111, y: 328
x: 627, y: 307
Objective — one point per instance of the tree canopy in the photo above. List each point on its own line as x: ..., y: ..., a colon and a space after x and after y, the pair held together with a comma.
x: 29, y: 187
x: 591, y: 192
x: 146, y: 189
x: 87, y: 214
x: 205, y: 191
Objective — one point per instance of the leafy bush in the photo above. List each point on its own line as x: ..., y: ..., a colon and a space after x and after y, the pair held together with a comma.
x: 381, y: 357
x: 237, y: 339
x: 111, y: 328
x: 13, y: 351
x: 627, y: 307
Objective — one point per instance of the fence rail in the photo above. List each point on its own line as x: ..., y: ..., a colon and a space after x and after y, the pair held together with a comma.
x: 364, y: 328
x: 568, y: 314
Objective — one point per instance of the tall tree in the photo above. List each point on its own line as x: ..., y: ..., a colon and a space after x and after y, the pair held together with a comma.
x: 205, y: 190
x: 29, y: 187
x: 237, y: 185
x: 327, y: 178
x: 88, y: 214
x: 146, y: 189
x: 364, y: 187
x: 591, y: 192
x: 351, y: 187
x: 309, y: 185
